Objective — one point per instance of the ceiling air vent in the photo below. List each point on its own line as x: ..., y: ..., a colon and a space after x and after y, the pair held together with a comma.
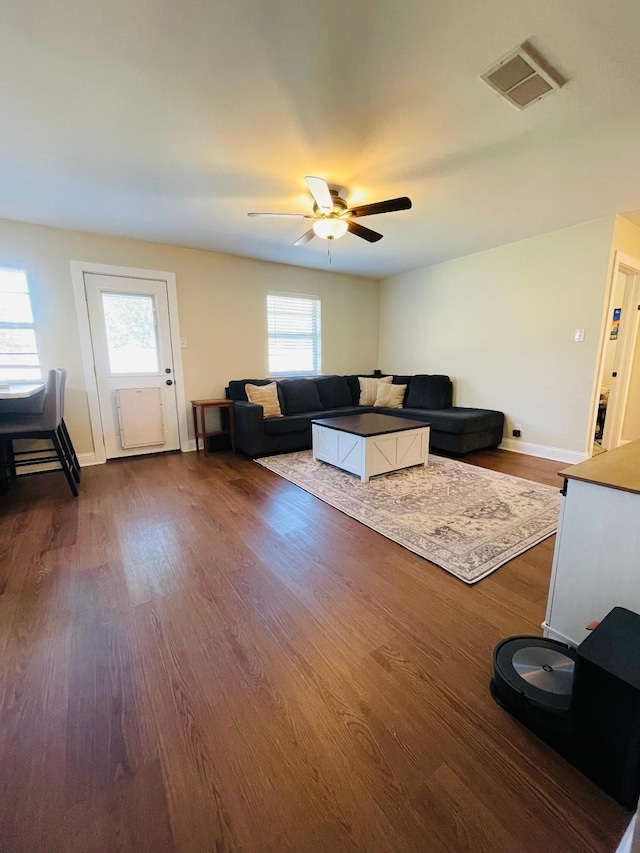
x: 523, y: 77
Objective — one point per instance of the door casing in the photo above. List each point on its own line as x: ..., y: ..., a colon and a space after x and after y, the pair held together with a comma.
x: 78, y: 271
x: 630, y: 265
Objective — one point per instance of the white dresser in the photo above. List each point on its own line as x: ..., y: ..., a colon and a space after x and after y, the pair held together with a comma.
x: 596, y: 564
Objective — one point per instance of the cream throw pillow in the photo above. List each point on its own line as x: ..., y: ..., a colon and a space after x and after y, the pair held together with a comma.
x: 390, y: 396
x: 369, y: 388
x: 265, y: 396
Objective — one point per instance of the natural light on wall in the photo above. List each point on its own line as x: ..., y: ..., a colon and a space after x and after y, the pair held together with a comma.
x: 19, y: 360
x: 294, y: 334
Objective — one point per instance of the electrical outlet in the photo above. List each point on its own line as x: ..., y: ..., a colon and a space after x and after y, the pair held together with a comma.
x: 517, y: 433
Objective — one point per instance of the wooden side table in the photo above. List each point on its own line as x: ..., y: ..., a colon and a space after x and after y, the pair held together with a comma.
x: 199, y: 408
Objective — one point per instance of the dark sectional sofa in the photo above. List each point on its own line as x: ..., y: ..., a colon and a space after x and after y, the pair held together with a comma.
x: 428, y: 398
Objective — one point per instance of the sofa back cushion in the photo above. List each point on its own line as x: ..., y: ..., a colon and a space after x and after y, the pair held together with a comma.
x: 429, y: 392
x: 265, y: 396
x: 403, y: 380
x: 299, y: 396
x: 354, y: 387
x: 334, y: 392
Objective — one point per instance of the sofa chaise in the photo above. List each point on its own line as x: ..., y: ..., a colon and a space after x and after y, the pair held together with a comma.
x: 454, y: 429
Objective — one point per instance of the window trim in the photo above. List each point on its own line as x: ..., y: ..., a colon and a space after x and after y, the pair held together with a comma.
x: 6, y: 324
x: 315, y: 337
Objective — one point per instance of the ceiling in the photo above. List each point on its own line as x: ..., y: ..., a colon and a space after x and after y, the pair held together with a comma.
x: 170, y: 121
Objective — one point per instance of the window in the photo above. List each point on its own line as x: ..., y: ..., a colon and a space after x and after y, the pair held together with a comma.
x: 294, y: 334
x: 19, y: 360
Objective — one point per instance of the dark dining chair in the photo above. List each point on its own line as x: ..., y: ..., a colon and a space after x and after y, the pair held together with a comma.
x: 48, y: 425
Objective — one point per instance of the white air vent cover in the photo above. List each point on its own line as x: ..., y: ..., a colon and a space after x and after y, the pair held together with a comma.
x: 523, y: 77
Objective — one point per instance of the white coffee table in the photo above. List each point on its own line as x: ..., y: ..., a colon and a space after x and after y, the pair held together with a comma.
x: 370, y: 443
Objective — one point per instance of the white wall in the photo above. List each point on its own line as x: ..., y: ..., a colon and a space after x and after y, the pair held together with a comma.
x: 501, y: 323
x: 221, y: 302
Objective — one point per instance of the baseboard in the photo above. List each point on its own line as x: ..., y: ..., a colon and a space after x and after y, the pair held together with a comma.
x: 188, y: 446
x: 544, y: 451
x: 556, y: 635
x: 86, y: 459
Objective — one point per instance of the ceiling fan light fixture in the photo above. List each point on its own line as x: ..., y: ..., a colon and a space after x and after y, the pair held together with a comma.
x: 330, y: 228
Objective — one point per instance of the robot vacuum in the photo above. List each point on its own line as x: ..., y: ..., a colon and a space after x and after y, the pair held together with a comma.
x: 533, y: 681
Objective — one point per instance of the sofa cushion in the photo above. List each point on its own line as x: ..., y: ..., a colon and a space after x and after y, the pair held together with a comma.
x: 286, y: 424
x: 456, y: 420
x: 265, y: 396
x: 236, y: 391
x: 403, y: 380
x: 369, y: 388
x: 429, y: 392
x: 338, y: 413
x: 299, y: 395
x: 354, y: 387
x: 390, y: 396
x: 334, y: 391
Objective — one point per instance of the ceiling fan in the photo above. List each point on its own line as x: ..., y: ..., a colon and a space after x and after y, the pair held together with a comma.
x: 332, y: 218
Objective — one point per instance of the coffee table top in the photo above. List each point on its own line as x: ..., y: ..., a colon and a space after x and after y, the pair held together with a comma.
x: 369, y: 423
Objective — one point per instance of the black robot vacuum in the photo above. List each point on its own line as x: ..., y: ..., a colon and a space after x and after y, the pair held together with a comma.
x: 533, y: 681
x: 584, y: 702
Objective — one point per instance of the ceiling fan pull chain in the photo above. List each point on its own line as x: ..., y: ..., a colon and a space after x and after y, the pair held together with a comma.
x: 329, y: 250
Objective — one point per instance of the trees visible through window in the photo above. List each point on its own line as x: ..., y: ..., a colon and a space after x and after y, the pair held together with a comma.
x: 294, y: 334
x: 19, y: 361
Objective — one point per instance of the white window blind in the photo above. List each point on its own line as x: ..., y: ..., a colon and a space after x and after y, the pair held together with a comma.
x: 19, y: 361
x: 294, y: 334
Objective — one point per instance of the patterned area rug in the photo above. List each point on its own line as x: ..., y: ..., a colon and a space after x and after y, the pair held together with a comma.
x: 467, y: 520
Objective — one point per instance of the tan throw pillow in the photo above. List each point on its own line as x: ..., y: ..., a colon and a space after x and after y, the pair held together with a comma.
x: 369, y: 388
x: 265, y: 396
x: 390, y: 396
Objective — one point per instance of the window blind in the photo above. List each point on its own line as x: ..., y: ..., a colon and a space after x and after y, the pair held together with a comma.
x: 294, y: 334
x: 19, y: 360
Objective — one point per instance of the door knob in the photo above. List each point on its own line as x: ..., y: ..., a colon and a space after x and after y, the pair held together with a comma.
x: 169, y: 382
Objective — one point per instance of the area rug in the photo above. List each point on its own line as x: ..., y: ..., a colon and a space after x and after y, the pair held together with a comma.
x: 465, y: 519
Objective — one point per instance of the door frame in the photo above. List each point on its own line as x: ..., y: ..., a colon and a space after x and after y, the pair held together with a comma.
x: 78, y: 271
x: 631, y: 266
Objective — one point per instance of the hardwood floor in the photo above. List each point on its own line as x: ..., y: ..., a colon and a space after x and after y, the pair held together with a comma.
x: 195, y: 655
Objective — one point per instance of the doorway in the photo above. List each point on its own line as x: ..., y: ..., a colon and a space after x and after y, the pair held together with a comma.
x: 617, y: 418
x: 131, y: 352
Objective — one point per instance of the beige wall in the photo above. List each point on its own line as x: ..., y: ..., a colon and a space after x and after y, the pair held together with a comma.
x: 501, y: 323
x: 221, y: 301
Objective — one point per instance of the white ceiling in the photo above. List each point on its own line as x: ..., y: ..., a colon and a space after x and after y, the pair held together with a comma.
x: 169, y: 121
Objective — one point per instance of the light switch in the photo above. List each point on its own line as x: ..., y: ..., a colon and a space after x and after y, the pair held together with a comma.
x: 579, y: 336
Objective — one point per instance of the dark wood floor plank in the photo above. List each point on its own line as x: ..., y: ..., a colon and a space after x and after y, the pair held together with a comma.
x: 196, y: 655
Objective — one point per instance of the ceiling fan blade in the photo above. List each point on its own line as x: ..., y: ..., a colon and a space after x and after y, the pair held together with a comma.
x: 283, y: 215
x: 365, y: 233
x: 388, y: 206
x: 319, y: 189
x: 308, y: 235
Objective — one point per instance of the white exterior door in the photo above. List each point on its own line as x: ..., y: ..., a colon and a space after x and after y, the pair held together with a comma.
x: 131, y: 340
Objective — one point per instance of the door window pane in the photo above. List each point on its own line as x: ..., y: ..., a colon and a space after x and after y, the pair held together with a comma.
x: 131, y: 332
